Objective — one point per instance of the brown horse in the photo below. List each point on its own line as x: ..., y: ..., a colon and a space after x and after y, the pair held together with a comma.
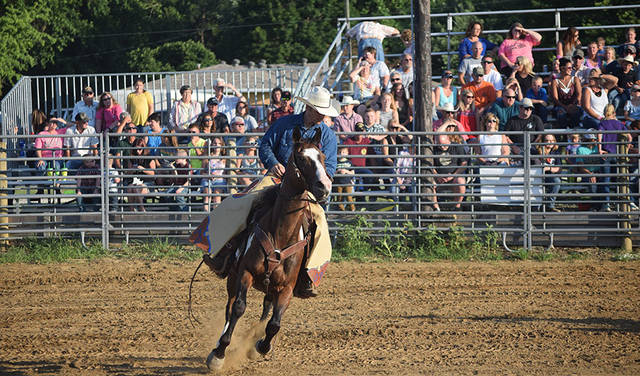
x: 275, y: 249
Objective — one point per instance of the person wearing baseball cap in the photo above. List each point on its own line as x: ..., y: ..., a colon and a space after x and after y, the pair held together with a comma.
x: 88, y: 105
x: 227, y: 103
x: 525, y: 122
x: 84, y: 141
x: 220, y: 120
x: 484, y: 93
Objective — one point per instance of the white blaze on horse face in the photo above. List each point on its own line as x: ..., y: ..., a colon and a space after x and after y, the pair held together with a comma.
x: 321, y: 174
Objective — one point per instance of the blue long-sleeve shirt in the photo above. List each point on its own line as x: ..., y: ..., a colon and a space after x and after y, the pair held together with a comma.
x: 277, y: 143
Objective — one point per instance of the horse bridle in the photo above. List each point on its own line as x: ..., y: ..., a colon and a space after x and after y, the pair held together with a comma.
x: 304, y: 181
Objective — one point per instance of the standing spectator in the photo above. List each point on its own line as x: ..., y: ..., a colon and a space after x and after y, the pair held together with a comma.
x: 285, y: 108
x: 184, y: 112
x: 472, y: 35
x: 566, y: 93
x: 523, y: 73
x: 467, y: 115
x: 539, y: 98
x: 592, y: 60
x: 445, y: 92
x: 371, y: 34
x: 449, y: 164
x: 620, y: 94
x: 492, y: 75
x: 89, y: 183
x: 519, y: 42
x: 358, y: 146
x: 601, y: 45
x: 493, y: 148
x: 142, y: 169
x: 607, y: 145
x: 346, y: 121
x: 484, y: 93
x: 366, y: 85
x: 242, y: 110
x: 139, y: 103
x: 108, y: 113
x: 83, y: 142
x: 402, y: 104
x: 378, y: 67
x: 87, y: 105
x: 48, y: 146
x: 610, y: 63
x: 632, y: 107
x: 568, y: 43
x: 551, y: 168
x: 227, y: 103
x: 343, y: 180
x: 630, y: 40
x: 274, y: 102
x: 465, y: 70
x: 505, y: 108
x: 405, y: 70
x: 213, y: 170
x: 219, y: 119
x: 580, y: 70
x: 594, y: 97
x: 524, y: 123
x: 409, y: 44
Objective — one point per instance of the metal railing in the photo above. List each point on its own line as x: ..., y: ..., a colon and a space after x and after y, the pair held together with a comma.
x: 341, y: 52
x: 405, y: 182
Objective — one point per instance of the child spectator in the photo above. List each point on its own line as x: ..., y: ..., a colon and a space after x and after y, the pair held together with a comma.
x: 142, y: 169
x: 551, y: 169
x: 114, y: 185
x: 574, y: 143
x: 344, y: 184
x: 600, y: 42
x: 212, y: 172
x: 250, y: 165
x: 89, y: 183
x: 180, y: 183
x: 632, y: 107
x: 539, y: 98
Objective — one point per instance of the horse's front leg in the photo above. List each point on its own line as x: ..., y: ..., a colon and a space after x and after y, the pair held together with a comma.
x: 282, y: 301
x: 267, y: 306
x: 235, y: 309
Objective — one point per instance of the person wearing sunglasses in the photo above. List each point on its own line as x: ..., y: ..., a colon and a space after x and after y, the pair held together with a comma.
x: 525, y: 123
x: 519, y: 42
x: 506, y: 107
x: 493, y: 149
x: 484, y: 92
x: 108, y: 113
x: 492, y: 75
x: 285, y: 108
x: 404, y: 70
x: 445, y: 92
x: 88, y: 105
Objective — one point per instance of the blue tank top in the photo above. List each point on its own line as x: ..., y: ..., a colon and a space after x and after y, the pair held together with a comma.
x: 450, y: 99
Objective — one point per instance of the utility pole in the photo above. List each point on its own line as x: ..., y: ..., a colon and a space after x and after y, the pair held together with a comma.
x: 422, y: 65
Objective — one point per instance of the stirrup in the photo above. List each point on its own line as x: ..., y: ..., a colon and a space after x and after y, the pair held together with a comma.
x: 304, y: 289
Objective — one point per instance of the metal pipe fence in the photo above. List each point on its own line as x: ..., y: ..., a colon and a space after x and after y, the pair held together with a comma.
x: 534, y: 196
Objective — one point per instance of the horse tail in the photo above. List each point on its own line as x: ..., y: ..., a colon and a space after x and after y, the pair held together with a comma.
x: 190, y: 310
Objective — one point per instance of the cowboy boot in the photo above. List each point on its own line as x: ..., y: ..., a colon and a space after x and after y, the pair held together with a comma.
x: 339, y: 190
x: 349, y: 189
x: 304, y: 287
x: 221, y: 263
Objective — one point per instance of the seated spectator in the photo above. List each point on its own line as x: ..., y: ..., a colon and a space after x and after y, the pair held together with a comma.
x: 154, y: 137
x: 378, y: 67
x: 539, y: 98
x: 514, y: 85
x: 88, y: 105
x: 113, y: 184
x: 449, y: 164
x: 555, y: 71
x: 346, y: 121
x: 632, y: 107
x: 108, y: 113
x: 594, y: 97
x: 505, y: 108
x: 523, y: 73
x: 250, y: 123
x: 448, y: 116
x: 492, y: 75
x: 445, y: 92
x: 220, y: 121
x: 551, y: 168
x: 285, y: 108
x: 274, y: 102
x: 620, y: 94
x: 227, y: 103
x: 83, y: 142
x: 38, y: 121
x: 388, y: 112
x: 519, y: 42
x: 184, y: 112
x: 609, y: 62
x: 179, y: 184
x: 234, y: 144
x: 573, y: 140
x: 566, y: 93
x: 366, y: 86
x: 124, y: 147
x: 568, y: 43
x: 472, y: 35
x: 580, y: 70
x: 405, y: 70
x: 592, y: 60
x: 196, y: 148
x: 250, y: 165
x: 484, y: 93
x: 525, y: 123
x: 358, y: 146
x: 142, y: 169
x: 371, y: 34
x: 494, y: 148
x: 467, y: 114
x: 206, y: 126
x: 465, y: 70
x: 587, y: 161
x: 139, y: 103
x: 630, y: 41
x: 402, y: 104
x: 212, y: 174
x: 89, y: 183
x: 49, y: 147
x: 343, y: 180
x: 607, y: 145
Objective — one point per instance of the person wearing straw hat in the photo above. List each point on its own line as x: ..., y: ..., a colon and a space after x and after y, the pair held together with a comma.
x: 346, y: 121
x: 620, y: 94
x: 448, y: 116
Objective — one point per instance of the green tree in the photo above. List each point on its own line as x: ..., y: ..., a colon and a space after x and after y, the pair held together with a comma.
x: 172, y: 56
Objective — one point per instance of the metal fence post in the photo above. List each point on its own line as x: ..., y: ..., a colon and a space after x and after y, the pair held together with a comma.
x: 4, y: 202
x: 449, y: 30
x: 104, y: 189
x: 558, y: 25
x: 526, y: 237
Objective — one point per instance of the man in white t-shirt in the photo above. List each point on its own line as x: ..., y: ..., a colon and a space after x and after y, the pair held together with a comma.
x: 227, y: 103
x: 378, y: 68
x: 465, y: 69
x: 83, y: 143
x: 88, y: 105
x: 492, y: 75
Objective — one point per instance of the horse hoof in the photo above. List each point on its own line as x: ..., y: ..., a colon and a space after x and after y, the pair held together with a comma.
x: 262, y: 347
x: 213, y: 362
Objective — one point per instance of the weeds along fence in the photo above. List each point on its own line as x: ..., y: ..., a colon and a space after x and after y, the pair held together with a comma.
x: 529, y: 195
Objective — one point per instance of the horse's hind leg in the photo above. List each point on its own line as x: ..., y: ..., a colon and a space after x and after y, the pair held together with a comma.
x: 236, y: 306
x: 281, y: 304
x: 267, y: 306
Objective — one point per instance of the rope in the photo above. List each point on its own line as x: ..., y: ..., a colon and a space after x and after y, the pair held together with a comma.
x: 190, y: 310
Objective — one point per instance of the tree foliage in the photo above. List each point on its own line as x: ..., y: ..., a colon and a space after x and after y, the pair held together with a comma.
x: 172, y: 56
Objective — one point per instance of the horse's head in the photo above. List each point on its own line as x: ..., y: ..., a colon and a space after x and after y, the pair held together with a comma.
x: 309, y: 160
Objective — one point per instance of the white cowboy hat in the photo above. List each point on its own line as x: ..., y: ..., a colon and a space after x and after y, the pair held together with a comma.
x: 347, y: 100
x: 320, y: 100
x: 628, y: 59
x: 448, y: 107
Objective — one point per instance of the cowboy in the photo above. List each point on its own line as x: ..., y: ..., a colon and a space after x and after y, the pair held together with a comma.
x: 275, y: 150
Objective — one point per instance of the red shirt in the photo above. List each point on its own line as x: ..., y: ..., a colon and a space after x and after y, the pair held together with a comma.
x: 277, y: 114
x: 359, y: 148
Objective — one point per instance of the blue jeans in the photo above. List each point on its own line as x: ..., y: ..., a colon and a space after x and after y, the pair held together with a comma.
x: 618, y: 99
x: 604, y: 182
x: 567, y: 120
x: 589, y: 122
x: 87, y: 203
x: 552, y: 184
x: 371, y: 42
x: 55, y: 165
x: 179, y: 198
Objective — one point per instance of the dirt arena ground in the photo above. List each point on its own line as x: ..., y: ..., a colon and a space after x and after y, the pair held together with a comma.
x: 115, y: 317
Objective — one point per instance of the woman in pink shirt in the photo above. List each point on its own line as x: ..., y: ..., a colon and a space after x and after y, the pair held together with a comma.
x: 519, y: 42
x: 48, y: 146
x: 108, y: 113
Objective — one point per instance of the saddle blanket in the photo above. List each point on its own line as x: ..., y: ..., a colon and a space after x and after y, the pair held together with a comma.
x: 229, y: 218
